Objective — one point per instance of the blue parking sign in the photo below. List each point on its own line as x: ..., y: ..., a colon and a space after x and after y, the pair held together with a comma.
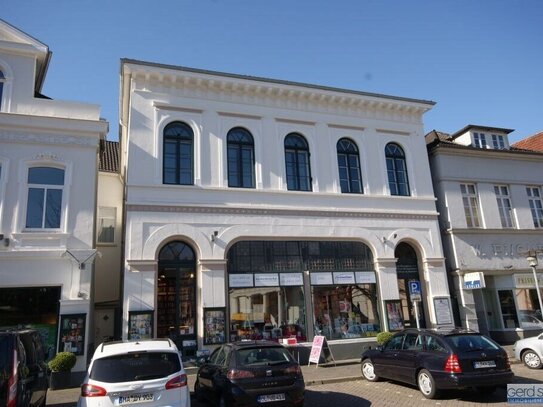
x: 414, y: 290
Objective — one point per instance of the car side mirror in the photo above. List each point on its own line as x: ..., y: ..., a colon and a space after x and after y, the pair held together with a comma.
x: 202, y: 361
x: 380, y: 348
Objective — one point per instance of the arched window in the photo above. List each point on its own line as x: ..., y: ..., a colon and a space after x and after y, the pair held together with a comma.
x: 44, y: 202
x: 398, y: 181
x: 2, y: 81
x: 241, y: 162
x: 348, y: 162
x: 297, y: 163
x: 178, y: 154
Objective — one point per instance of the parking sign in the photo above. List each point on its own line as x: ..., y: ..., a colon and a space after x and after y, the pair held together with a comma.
x: 414, y: 290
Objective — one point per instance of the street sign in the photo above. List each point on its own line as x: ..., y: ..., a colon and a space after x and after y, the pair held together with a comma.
x: 414, y: 290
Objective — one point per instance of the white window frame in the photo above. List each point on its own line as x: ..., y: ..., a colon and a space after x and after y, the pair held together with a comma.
x: 103, y: 215
x: 471, y: 205
x: 536, y: 205
x: 479, y: 140
x: 505, y: 206
x: 5, y: 101
x: 498, y: 142
x: 4, y: 176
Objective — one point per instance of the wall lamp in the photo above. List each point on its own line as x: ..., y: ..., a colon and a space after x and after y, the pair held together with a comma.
x: 214, y: 235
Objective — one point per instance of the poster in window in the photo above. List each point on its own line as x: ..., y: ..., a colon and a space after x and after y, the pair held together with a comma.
x: 394, y: 315
x: 214, y: 326
x: 140, y: 325
x: 72, y: 333
x: 442, y: 307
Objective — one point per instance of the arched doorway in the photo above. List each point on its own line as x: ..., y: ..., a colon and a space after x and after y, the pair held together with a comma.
x: 407, y: 269
x: 176, y: 299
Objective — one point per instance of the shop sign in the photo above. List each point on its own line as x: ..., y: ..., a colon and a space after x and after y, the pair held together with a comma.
x: 240, y: 280
x: 365, y: 277
x: 527, y: 280
x: 291, y: 279
x: 442, y: 307
x: 266, y: 280
x: 321, y: 279
x: 474, y: 280
x: 344, y: 277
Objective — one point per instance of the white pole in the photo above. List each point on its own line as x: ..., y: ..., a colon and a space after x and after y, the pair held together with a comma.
x: 416, y: 313
x: 537, y: 289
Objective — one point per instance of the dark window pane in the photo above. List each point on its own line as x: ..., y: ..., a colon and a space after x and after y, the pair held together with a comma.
x: 34, y: 209
x: 45, y: 175
x: 52, y: 208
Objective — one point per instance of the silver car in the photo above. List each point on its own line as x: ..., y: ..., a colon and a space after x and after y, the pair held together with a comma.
x: 149, y: 373
x: 530, y: 351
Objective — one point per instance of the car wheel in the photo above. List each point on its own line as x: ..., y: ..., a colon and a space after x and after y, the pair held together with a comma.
x: 368, y: 371
x: 427, y: 385
x: 531, y: 359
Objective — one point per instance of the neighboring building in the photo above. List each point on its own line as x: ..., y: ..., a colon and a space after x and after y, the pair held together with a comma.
x: 491, y: 216
x: 109, y: 231
x: 259, y: 208
x: 534, y: 143
x: 48, y: 172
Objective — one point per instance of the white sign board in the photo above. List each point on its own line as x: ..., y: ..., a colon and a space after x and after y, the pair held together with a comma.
x: 527, y: 280
x: 240, y: 280
x: 344, y: 277
x: 414, y: 290
x: 291, y: 279
x: 266, y: 280
x: 321, y: 279
x: 365, y: 277
x: 316, y: 349
x: 474, y: 280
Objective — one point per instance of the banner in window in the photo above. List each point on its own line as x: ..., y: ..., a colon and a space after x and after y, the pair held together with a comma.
x: 321, y: 279
x: 266, y: 280
x: 214, y: 326
x: 344, y: 277
x: 291, y: 279
x: 365, y: 277
x: 140, y: 325
x: 240, y: 280
x: 72, y: 333
x: 394, y: 315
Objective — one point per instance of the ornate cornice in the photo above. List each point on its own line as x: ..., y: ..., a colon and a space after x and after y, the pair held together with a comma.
x: 280, y: 212
x: 47, y: 139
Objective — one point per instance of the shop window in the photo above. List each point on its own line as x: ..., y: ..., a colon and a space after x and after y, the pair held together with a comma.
x: 106, y: 224
x: 44, y: 204
x: 528, y: 308
x: 270, y: 313
x: 344, y: 312
x: 241, y: 162
x: 178, y: 154
x: 508, y: 309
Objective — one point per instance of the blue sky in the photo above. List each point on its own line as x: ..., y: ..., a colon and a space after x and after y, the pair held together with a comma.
x: 481, y: 61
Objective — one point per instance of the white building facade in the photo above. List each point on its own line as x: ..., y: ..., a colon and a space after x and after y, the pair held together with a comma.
x: 48, y: 170
x: 490, y: 205
x: 258, y: 208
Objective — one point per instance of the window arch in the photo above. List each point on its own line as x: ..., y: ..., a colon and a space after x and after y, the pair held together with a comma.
x: 44, y: 200
x: 241, y: 162
x: 2, y: 82
x: 398, y: 180
x: 297, y: 163
x: 178, y: 154
x: 348, y: 161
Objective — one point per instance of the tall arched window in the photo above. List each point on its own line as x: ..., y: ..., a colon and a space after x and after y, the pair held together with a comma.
x: 178, y: 154
x: 297, y: 163
x: 398, y: 181
x: 348, y: 162
x: 241, y: 162
x: 2, y: 81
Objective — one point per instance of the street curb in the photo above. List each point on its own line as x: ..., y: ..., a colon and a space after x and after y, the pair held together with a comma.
x: 309, y: 383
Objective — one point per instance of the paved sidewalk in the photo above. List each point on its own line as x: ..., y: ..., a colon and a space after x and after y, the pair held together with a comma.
x: 342, y: 371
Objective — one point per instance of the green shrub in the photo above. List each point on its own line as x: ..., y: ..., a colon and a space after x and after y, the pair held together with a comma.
x: 62, y: 362
x: 383, y: 337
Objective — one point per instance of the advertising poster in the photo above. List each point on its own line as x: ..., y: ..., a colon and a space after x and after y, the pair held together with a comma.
x: 72, y: 333
x: 394, y: 315
x: 214, y: 326
x: 140, y: 325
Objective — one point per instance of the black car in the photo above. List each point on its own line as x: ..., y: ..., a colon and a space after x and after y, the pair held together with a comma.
x: 251, y: 373
x: 439, y: 359
x: 23, y: 371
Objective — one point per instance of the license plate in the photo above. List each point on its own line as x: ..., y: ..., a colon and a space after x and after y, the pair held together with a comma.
x: 267, y: 398
x: 484, y: 363
x: 134, y: 398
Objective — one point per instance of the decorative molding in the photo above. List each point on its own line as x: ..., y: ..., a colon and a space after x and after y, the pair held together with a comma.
x: 345, y: 127
x: 291, y: 121
x: 46, y: 156
x: 48, y: 139
x: 394, y: 132
x: 278, y: 212
x: 240, y: 115
x: 163, y: 106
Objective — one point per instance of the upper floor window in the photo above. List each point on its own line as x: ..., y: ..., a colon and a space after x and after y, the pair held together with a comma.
x: 398, y: 181
x: 479, y: 140
x: 106, y: 224
x: 178, y: 154
x: 297, y: 163
x: 349, y: 167
x: 504, y: 205
x: 498, y: 142
x: 2, y: 81
x: 534, y: 197
x: 471, y: 205
x: 241, y: 162
x: 44, y: 204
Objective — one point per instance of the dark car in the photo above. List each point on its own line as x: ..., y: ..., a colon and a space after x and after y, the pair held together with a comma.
x: 439, y: 359
x: 23, y: 371
x: 251, y: 373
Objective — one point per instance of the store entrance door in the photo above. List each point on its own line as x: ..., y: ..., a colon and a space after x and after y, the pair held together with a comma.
x: 407, y: 270
x: 176, y: 297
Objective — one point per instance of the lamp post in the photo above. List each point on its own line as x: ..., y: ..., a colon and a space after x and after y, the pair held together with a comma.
x: 532, y: 261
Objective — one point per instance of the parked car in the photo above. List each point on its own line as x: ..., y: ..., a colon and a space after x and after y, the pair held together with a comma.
x: 530, y: 351
x: 251, y: 373
x: 439, y: 359
x: 147, y: 372
x: 528, y: 321
x: 23, y: 371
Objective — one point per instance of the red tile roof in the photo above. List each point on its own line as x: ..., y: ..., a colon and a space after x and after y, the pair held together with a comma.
x: 534, y: 143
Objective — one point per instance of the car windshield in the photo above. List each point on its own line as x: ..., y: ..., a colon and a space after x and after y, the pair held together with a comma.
x: 467, y: 343
x: 135, y: 366
x: 263, y: 356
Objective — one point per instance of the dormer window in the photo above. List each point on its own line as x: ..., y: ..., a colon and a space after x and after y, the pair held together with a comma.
x: 498, y: 142
x: 479, y: 140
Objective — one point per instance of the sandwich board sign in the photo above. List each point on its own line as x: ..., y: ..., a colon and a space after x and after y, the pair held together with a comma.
x: 319, y: 345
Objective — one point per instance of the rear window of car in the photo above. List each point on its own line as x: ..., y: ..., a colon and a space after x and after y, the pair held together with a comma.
x: 468, y: 343
x: 135, y: 366
x: 263, y: 356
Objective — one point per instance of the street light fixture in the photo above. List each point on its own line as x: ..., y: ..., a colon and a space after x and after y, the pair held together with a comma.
x: 532, y: 261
